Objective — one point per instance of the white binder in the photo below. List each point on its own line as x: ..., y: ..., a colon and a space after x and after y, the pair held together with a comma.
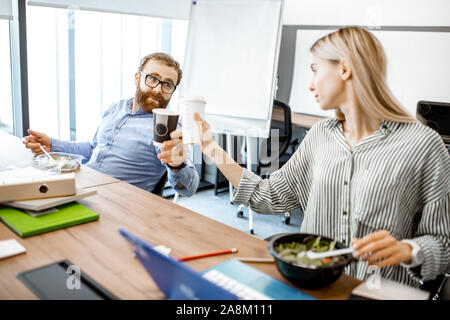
x: 36, y: 187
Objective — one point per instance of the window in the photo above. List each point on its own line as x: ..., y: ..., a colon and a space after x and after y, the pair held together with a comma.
x: 83, y: 61
x: 6, y: 107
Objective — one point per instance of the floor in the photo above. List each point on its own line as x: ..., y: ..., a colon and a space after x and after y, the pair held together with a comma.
x: 220, y: 209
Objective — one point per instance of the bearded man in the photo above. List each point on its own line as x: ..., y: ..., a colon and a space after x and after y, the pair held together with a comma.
x: 122, y: 146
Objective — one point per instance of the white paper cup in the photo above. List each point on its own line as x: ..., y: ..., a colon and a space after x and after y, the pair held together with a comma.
x: 187, y: 106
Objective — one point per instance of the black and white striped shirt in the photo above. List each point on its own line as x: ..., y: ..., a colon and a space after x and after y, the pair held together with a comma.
x: 397, y: 179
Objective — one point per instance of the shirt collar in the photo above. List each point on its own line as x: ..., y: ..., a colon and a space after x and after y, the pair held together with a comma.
x: 332, y: 123
x: 386, y: 127
x: 129, y: 108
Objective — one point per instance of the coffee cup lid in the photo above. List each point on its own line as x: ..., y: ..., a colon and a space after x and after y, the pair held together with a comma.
x: 193, y: 98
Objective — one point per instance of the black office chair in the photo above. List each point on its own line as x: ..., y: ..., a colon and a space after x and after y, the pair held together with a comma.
x: 159, y: 188
x: 439, y: 288
x: 284, y: 127
x: 268, y: 156
x: 436, y: 115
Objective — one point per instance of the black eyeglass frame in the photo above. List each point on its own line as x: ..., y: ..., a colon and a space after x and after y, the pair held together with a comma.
x: 159, y: 82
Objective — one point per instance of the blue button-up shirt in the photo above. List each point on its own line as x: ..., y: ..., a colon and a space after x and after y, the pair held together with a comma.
x: 123, y: 147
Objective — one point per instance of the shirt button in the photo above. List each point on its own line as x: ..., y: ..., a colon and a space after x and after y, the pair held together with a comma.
x: 345, y: 212
x: 345, y: 183
x: 343, y: 241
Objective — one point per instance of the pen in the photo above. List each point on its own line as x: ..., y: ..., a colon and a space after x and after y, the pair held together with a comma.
x: 251, y: 259
x: 233, y: 250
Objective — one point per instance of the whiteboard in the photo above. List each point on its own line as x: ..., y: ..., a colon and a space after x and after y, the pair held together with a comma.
x: 231, y: 59
x: 418, y: 68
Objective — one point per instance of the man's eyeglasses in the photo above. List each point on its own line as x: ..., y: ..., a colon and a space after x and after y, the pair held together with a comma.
x: 153, y: 82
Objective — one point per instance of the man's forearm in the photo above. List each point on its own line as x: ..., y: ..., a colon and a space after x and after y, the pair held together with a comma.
x: 81, y: 148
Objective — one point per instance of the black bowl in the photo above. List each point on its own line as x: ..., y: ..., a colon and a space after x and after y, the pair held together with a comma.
x: 306, y: 276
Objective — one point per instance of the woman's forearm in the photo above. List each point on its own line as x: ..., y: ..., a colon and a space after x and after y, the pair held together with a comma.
x: 230, y: 168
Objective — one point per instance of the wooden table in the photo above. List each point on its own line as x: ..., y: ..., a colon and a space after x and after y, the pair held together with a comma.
x: 86, y: 177
x: 99, y: 250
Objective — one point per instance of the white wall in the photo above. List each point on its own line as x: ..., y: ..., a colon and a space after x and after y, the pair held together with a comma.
x: 409, y: 80
x: 426, y: 81
x: 368, y: 12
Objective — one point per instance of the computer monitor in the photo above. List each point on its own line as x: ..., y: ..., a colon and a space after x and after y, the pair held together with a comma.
x: 437, y: 116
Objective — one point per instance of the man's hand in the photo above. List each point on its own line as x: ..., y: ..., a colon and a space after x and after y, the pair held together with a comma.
x: 382, y: 249
x: 37, y: 139
x: 172, y: 152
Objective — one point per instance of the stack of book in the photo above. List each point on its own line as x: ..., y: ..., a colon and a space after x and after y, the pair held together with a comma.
x: 33, y: 202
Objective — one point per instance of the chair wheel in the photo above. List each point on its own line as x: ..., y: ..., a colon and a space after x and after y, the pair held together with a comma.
x: 251, y: 231
x: 240, y: 214
x: 287, y: 220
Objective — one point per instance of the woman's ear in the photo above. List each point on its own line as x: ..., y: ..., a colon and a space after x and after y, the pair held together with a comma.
x: 345, y: 71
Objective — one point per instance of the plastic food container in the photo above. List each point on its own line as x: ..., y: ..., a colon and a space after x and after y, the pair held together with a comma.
x: 65, y: 162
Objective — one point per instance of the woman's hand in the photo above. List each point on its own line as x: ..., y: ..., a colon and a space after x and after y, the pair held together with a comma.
x: 230, y: 169
x: 172, y: 151
x: 205, y: 132
x: 382, y: 249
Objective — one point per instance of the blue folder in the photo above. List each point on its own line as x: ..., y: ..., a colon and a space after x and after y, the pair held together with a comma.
x: 179, y: 282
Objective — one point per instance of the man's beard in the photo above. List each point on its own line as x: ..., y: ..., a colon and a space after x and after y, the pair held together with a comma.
x: 147, y: 105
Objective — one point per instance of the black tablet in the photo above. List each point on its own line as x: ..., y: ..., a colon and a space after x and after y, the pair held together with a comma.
x: 63, y: 281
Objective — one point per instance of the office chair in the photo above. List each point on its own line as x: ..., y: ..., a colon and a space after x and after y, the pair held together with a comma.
x: 436, y: 115
x: 268, y: 156
x: 439, y: 288
x: 159, y: 187
x: 284, y: 128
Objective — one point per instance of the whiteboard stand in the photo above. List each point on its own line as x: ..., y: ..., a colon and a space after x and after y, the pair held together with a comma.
x: 175, y: 198
x: 230, y: 150
x: 249, y: 158
x: 250, y: 141
x: 213, y: 26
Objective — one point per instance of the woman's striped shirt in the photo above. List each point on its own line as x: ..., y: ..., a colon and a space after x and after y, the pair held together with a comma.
x: 397, y: 179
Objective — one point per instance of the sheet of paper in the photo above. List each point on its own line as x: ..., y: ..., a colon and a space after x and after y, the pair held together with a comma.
x: 10, y: 248
x: 49, y: 203
x: 384, y: 289
x: 41, y: 213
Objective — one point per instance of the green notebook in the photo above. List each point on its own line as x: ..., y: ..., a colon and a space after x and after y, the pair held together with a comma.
x: 26, y: 225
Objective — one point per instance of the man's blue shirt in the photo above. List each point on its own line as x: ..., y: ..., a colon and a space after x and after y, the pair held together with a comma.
x: 122, y: 147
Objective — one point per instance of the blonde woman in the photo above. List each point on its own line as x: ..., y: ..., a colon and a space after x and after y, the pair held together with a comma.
x: 372, y: 177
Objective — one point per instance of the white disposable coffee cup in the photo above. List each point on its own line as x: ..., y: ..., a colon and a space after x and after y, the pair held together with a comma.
x: 187, y: 106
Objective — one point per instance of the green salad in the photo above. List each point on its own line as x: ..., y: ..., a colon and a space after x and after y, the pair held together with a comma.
x: 289, y: 252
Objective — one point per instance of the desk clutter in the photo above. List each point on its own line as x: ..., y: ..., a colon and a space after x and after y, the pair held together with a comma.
x: 221, y: 279
x: 34, y: 201
x: 230, y: 280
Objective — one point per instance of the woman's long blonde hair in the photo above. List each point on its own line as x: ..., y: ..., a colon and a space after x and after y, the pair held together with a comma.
x: 367, y: 59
